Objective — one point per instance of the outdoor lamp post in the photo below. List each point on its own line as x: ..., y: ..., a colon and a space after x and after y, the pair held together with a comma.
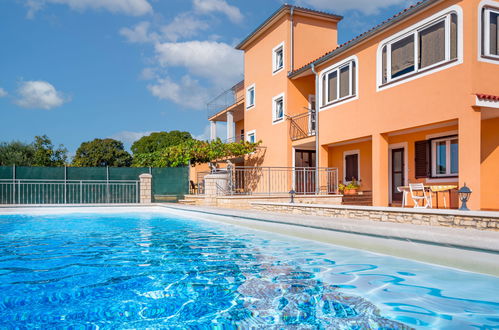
x: 464, y: 196
x: 292, y: 194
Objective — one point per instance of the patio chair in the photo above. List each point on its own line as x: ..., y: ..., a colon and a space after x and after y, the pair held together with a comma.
x: 419, y: 196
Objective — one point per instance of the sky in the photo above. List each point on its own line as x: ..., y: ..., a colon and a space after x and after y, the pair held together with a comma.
x: 76, y: 70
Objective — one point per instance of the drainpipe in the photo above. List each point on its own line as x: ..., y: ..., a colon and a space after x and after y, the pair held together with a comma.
x: 317, y: 177
x: 292, y: 46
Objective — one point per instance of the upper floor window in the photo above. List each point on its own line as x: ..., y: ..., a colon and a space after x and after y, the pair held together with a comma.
x: 490, y: 32
x: 426, y: 46
x: 278, y: 108
x: 339, y: 83
x: 250, y: 96
x: 278, y: 58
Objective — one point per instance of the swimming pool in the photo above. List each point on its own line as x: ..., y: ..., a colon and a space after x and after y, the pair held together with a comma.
x: 160, y: 269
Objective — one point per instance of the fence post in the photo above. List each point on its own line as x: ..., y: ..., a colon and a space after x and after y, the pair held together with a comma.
x: 81, y: 192
x: 145, y: 188
x: 14, y: 184
x: 65, y: 184
x: 107, y: 185
x: 269, y: 180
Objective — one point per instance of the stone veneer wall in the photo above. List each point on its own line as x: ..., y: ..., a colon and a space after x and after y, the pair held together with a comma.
x: 445, y: 218
x: 244, y: 202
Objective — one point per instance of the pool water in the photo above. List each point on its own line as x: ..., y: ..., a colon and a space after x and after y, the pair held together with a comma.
x: 161, y: 270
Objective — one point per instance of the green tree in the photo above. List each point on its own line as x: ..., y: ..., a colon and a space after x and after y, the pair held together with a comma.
x: 16, y: 153
x: 194, y: 152
x: 102, y: 152
x: 45, y: 155
x: 159, y: 140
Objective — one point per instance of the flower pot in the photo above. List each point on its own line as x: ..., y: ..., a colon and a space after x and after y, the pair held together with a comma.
x: 350, y: 192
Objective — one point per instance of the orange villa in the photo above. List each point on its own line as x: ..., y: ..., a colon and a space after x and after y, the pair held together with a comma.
x: 413, y: 100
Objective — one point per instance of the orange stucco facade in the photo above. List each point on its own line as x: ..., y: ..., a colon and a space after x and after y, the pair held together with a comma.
x: 428, y: 105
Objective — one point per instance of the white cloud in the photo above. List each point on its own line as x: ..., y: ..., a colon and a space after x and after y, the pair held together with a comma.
x: 184, y: 25
x: 187, y: 93
x: 139, y: 33
x: 368, y: 7
x: 127, y: 7
x: 39, y: 95
x: 212, y: 6
x: 128, y: 137
x: 216, y: 61
x: 3, y: 92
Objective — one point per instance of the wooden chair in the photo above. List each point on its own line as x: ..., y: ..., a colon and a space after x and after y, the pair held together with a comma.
x: 419, y: 196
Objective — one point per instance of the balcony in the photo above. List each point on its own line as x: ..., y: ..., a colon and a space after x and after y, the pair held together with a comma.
x: 226, y: 100
x: 302, y: 126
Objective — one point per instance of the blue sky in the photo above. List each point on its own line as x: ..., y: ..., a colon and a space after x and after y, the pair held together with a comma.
x: 81, y: 69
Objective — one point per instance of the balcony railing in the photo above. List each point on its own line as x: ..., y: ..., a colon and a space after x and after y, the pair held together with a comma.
x: 226, y: 99
x: 235, y: 139
x: 302, y: 126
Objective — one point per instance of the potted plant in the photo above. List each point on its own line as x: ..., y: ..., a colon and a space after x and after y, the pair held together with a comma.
x: 349, y: 189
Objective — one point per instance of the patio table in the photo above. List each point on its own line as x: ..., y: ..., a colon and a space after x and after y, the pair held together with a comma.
x: 429, y: 188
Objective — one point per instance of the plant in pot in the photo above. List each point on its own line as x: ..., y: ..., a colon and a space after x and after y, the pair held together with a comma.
x: 351, y: 188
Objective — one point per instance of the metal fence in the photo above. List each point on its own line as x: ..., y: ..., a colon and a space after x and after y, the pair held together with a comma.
x: 302, y: 126
x: 58, y: 185
x: 68, y: 192
x: 226, y: 99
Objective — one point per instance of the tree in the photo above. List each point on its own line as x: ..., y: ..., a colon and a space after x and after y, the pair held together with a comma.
x: 159, y: 140
x: 194, y: 152
x: 102, y: 152
x: 16, y: 153
x: 45, y: 155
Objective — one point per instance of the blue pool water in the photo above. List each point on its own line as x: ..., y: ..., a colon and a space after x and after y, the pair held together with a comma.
x: 155, y: 270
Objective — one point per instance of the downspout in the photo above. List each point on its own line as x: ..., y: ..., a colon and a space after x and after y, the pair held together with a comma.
x: 317, y: 177
x: 292, y: 46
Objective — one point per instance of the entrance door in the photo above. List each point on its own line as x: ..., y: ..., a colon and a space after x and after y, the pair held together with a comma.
x: 305, y: 171
x: 398, y: 173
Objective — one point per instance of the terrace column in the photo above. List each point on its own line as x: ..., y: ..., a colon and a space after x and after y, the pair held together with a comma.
x: 470, y: 156
x: 380, y: 180
x: 230, y: 126
x: 213, y: 130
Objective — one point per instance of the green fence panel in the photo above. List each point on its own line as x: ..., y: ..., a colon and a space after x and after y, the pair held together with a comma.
x: 127, y: 173
x: 170, y: 183
x: 87, y: 173
x: 6, y: 172
x: 36, y: 173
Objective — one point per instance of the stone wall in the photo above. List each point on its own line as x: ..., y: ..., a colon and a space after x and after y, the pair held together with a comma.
x: 244, y: 202
x: 145, y: 188
x: 429, y: 217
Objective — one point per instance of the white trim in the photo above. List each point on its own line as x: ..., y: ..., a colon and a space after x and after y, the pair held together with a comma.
x: 252, y: 132
x: 337, y: 66
x: 250, y: 106
x: 401, y: 145
x: 441, y: 134
x: 348, y: 153
x: 274, y: 58
x: 487, y: 103
x: 485, y: 3
x: 274, y: 99
x: 413, y: 29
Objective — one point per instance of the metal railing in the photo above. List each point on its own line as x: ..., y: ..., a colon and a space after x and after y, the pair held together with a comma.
x: 27, y: 192
x: 235, y: 139
x: 302, y: 125
x: 226, y: 99
x: 280, y: 180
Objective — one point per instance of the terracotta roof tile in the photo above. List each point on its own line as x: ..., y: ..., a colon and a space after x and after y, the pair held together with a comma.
x: 488, y: 97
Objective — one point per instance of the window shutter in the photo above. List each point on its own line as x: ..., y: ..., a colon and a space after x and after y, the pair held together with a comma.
x: 422, y: 159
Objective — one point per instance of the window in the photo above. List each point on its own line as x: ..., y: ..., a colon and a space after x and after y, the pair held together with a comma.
x: 490, y: 32
x: 278, y: 109
x: 445, y: 157
x: 251, y: 136
x: 250, y: 96
x: 421, y: 49
x: 351, y: 166
x: 339, y: 83
x: 278, y: 58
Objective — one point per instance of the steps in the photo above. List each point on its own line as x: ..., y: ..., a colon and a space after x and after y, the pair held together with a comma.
x: 366, y: 199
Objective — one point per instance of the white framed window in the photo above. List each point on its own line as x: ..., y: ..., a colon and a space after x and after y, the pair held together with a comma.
x: 351, y: 166
x: 339, y: 82
x: 445, y: 157
x: 251, y: 136
x: 278, y: 58
x: 278, y: 108
x: 431, y: 45
x: 250, y: 96
x: 490, y: 32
